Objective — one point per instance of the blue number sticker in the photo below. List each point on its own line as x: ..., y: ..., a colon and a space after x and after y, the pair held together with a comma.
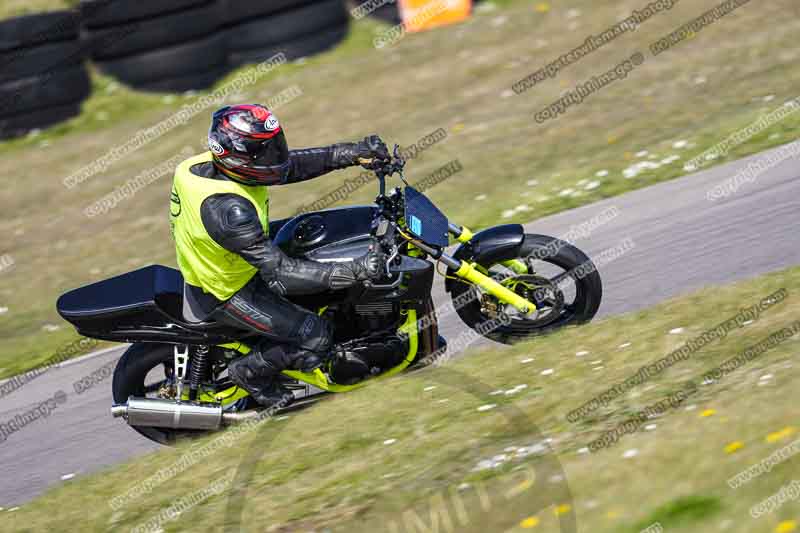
x: 416, y: 226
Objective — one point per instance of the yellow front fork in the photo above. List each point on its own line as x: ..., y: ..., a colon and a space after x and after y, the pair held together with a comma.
x: 505, y: 295
x: 471, y: 273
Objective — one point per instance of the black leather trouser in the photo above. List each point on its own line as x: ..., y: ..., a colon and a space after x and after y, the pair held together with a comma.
x: 291, y: 333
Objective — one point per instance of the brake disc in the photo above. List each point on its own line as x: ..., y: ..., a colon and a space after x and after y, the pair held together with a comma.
x: 547, y: 297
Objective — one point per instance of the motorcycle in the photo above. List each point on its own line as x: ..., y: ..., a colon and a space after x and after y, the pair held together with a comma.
x: 172, y: 381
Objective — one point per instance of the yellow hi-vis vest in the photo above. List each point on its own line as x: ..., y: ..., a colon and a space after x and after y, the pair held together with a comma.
x: 202, y: 261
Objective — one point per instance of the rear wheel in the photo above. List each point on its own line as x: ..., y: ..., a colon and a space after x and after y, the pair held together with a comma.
x: 561, y: 280
x: 141, y: 371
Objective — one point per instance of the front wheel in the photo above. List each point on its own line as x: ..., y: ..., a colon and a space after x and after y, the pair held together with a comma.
x: 560, y: 279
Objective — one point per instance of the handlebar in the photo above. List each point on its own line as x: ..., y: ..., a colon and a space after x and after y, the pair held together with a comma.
x: 385, y: 167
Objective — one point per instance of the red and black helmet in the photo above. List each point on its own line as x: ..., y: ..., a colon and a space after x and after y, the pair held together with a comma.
x: 248, y: 145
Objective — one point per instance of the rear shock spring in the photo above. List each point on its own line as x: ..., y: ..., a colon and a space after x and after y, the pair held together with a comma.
x: 197, y: 370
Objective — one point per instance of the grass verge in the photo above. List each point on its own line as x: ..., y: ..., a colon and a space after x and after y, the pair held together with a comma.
x: 458, y: 78
x: 18, y: 8
x: 409, y: 450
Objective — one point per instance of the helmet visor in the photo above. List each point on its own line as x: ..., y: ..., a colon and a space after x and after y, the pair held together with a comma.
x: 270, y: 164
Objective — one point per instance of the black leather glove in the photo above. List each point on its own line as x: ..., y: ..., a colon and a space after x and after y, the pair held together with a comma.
x: 371, y: 265
x: 349, y: 154
x: 373, y: 147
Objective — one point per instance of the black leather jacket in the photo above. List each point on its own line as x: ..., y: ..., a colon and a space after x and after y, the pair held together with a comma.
x: 232, y: 221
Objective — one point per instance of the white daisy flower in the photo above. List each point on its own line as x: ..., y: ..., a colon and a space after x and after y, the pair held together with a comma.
x: 499, y: 21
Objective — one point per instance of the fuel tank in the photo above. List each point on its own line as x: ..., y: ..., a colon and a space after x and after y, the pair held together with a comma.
x: 343, y: 234
x: 338, y: 234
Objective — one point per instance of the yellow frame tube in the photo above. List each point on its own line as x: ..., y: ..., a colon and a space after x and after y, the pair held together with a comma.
x: 223, y: 397
x: 470, y: 273
x: 318, y: 378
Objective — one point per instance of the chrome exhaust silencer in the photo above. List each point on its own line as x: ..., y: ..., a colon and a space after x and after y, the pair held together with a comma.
x: 168, y: 414
x: 187, y: 415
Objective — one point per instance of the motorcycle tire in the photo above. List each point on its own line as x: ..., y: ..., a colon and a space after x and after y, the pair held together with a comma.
x: 129, y: 380
x: 589, y: 292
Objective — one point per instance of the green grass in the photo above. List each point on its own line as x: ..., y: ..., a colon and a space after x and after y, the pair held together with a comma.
x: 458, y: 78
x: 17, y: 8
x: 690, y: 510
x: 330, y: 468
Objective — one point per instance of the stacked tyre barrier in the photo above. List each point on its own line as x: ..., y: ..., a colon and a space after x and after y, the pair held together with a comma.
x: 43, y: 78
x: 257, y: 30
x: 180, y: 45
x: 161, y: 46
x: 172, y: 45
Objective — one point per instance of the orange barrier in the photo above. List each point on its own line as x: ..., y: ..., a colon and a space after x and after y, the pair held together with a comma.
x: 419, y: 15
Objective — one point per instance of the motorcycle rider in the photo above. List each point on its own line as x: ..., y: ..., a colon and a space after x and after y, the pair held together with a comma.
x: 233, y: 271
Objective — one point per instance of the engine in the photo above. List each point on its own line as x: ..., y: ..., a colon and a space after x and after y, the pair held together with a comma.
x: 367, y: 343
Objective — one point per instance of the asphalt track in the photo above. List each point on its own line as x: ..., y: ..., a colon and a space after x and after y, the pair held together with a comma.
x: 682, y: 241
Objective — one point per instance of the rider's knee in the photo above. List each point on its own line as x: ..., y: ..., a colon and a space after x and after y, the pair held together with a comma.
x: 315, y: 334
